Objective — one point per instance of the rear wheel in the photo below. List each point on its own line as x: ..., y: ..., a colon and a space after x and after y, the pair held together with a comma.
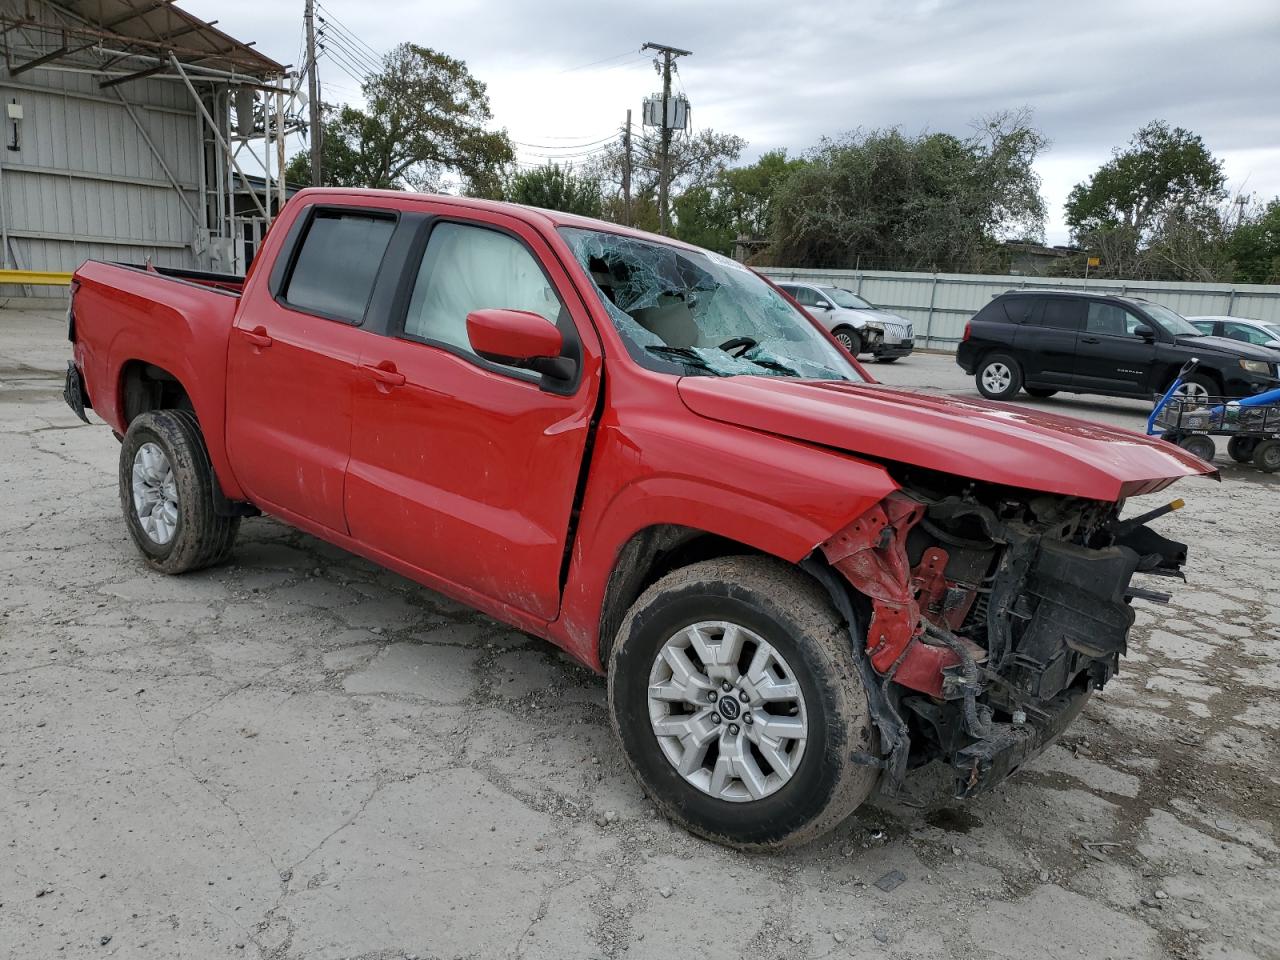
x: 1266, y: 456
x: 1040, y: 393
x: 999, y: 377
x: 1240, y: 449
x: 166, y: 493
x: 1200, y: 445
x: 734, y: 691
x: 849, y: 339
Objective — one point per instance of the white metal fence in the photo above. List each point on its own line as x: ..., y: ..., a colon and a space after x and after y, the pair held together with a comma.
x: 939, y: 304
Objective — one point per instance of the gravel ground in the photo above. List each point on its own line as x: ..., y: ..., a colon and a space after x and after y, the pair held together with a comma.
x: 298, y: 755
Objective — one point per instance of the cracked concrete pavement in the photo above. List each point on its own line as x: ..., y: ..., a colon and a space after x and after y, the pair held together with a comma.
x: 299, y: 755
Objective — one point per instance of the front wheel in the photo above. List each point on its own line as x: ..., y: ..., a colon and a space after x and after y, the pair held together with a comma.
x: 166, y: 492
x: 734, y: 692
x: 999, y: 377
x: 849, y: 339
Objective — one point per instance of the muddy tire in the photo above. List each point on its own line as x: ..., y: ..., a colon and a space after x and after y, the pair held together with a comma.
x: 1240, y: 449
x: 166, y: 493
x: 1266, y: 456
x: 734, y: 692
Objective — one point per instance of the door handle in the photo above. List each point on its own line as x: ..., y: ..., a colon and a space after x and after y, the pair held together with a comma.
x: 1090, y: 340
x: 385, y: 372
x: 257, y: 336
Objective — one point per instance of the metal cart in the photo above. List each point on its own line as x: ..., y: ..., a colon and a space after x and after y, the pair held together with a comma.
x: 1252, y: 423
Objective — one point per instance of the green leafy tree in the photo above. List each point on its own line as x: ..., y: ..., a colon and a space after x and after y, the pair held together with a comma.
x: 931, y: 201
x: 425, y: 117
x: 737, y: 202
x: 696, y: 161
x: 1254, y: 246
x: 1151, y: 211
x: 554, y: 187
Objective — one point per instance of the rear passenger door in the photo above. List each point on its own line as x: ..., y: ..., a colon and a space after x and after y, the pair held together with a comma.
x: 292, y: 361
x: 1047, y: 349
x: 1110, y: 356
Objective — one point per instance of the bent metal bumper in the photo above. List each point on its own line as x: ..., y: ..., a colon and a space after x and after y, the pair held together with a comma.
x: 984, y: 763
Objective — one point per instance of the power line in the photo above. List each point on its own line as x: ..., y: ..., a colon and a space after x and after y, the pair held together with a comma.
x: 566, y: 146
x: 343, y: 64
x: 594, y: 63
x: 354, y: 36
x: 357, y: 59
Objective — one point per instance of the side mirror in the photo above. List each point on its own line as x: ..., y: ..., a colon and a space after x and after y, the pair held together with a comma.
x: 519, y: 338
x: 1273, y: 344
x: 824, y: 305
x: 1146, y: 333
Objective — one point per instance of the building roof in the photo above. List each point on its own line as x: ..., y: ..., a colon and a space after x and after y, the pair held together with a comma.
x: 135, y: 30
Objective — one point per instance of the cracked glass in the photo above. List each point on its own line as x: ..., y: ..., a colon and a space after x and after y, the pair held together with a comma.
x: 699, y: 313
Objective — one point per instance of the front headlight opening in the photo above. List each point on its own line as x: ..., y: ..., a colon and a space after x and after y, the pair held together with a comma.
x: 1256, y: 366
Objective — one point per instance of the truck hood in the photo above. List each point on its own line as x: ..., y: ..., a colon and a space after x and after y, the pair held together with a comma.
x: 967, y: 438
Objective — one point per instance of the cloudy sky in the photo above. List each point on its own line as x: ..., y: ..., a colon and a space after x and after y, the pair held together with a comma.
x: 786, y: 74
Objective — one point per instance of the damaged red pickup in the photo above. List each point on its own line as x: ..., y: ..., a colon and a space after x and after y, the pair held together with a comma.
x: 800, y: 583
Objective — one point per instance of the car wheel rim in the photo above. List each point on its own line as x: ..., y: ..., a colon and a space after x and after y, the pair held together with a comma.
x: 1271, y: 457
x: 846, y: 341
x: 155, y: 493
x: 1193, y: 391
x: 996, y: 377
x: 728, y: 711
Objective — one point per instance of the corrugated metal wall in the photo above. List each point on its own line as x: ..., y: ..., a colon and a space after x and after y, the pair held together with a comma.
x: 84, y: 183
x: 940, y: 304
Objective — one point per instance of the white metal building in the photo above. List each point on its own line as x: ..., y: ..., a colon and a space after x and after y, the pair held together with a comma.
x: 128, y: 126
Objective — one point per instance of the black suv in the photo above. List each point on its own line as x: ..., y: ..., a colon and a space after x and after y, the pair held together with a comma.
x: 1044, y: 341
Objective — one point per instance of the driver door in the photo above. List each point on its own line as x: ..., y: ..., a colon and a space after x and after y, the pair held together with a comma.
x: 463, y: 468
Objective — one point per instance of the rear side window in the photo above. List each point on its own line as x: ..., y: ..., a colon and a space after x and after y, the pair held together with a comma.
x: 1063, y: 314
x: 805, y: 296
x: 338, y: 263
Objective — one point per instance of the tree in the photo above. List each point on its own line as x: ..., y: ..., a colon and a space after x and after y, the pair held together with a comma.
x: 1162, y: 169
x: 737, y: 201
x: 1152, y: 212
x: 930, y: 201
x: 1254, y: 245
x: 554, y: 187
x: 425, y: 117
x: 696, y: 161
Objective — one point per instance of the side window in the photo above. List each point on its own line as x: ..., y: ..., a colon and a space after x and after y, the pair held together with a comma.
x: 1110, y: 320
x: 1062, y: 314
x: 805, y: 296
x: 1018, y: 309
x: 469, y: 268
x: 334, y: 272
x: 1238, y: 331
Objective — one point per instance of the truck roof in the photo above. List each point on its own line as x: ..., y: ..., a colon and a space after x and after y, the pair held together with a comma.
x: 552, y: 218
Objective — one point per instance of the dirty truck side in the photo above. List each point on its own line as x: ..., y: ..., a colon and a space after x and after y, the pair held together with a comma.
x: 800, y: 584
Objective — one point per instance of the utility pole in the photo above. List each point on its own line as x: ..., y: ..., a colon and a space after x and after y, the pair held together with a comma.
x: 313, y: 92
x: 664, y: 156
x: 626, y: 172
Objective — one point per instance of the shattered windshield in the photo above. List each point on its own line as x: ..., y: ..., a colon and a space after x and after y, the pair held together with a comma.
x: 847, y: 299
x: 699, y: 313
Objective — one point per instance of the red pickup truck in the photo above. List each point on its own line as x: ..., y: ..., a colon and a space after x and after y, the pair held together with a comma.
x: 800, y: 583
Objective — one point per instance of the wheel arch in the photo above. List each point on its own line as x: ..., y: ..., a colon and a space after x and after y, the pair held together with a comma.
x: 143, y: 386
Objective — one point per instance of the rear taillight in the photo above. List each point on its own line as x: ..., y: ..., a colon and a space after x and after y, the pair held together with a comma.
x: 967, y: 329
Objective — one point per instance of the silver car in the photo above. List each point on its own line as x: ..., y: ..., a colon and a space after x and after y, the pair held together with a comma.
x: 1258, y: 332
x: 860, y: 326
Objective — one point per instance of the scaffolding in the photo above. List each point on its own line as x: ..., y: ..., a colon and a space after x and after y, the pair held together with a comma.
x: 245, y: 105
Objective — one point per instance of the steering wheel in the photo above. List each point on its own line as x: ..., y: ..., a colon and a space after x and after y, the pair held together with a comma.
x: 741, y: 344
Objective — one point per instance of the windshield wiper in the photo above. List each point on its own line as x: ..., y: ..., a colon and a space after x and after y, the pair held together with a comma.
x: 687, y: 354
x: 772, y: 365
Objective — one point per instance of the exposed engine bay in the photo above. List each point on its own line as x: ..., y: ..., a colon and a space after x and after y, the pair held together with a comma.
x: 992, y: 614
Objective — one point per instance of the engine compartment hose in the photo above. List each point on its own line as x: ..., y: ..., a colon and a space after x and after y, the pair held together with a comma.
x: 975, y: 725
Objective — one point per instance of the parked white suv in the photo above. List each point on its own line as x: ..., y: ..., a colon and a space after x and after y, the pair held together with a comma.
x: 860, y: 326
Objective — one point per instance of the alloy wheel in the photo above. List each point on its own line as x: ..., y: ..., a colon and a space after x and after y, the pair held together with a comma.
x: 727, y: 710
x: 155, y: 493
x: 996, y: 377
